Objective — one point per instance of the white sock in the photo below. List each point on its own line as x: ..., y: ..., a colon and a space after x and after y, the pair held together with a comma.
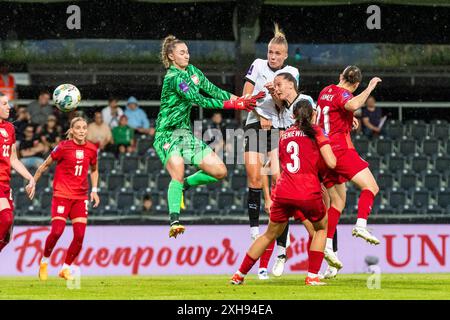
x: 281, y: 250
x: 329, y: 243
x: 312, y: 275
x: 65, y: 266
x: 240, y: 274
x: 361, y: 223
x: 44, y: 260
x: 254, y: 232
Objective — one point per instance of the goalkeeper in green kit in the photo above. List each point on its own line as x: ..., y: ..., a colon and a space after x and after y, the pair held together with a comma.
x: 174, y: 142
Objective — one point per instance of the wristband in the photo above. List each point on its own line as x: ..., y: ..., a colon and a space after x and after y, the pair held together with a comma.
x: 94, y: 189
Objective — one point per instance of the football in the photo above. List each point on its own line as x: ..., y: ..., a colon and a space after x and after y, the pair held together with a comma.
x: 66, y: 97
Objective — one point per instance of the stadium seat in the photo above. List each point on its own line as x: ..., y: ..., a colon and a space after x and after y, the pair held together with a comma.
x: 125, y: 202
x: 44, y: 182
x: 397, y: 199
x: 407, y: 147
x: 105, y: 204
x: 115, y: 181
x: 421, y: 198
x: 443, y: 198
x: 17, y: 182
x: 384, y: 146
x: 106, y: 163
x: 225, y: 199
x: 430, y: 147
x: 239, y: 212
x: 199, y: 201
x: 238, y: 182
x: 153, y: 165
x: 374, y: 162
x: 441, y: 130
x: 144, y: 145
x: 419, y: 163
x: 361, y: 145
x: 45, y: 203
x: 385, y: 180
x: 140, y: 182
x: 129, y: 163
x: 352, y: 200
x: 396, y: 163
x: 431, y: 180
x: 407, y: 180
x: 162, y: 181
x: 395, y: 130
x: 412, y: 211
x: 22, y: 202
x: 442, y: 163
x: 419, y: 131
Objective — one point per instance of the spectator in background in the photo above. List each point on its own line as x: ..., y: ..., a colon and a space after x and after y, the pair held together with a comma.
x: 7, y: 82
x: 51, y: 133
x: 23, y: 119
x: 40, y: 109
x: 137, y: 118
x: 371, y: 118
x: 99, y: 132
x: 123, y: 136
x: 31, y: 150
x: 112, y: 113
x: 147, y: 205
x: 216, y: 141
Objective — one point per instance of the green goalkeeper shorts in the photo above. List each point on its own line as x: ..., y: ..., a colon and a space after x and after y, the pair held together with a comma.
x: 180, y: 143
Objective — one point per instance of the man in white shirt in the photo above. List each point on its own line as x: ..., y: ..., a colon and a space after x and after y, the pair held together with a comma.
x: 112, y: 113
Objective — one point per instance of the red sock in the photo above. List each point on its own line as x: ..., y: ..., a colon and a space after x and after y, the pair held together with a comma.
x: 247, y: 264
x: 265, y: 258
x: 315, y: 261
x: 365, y: 203
x: 55, y: 233
x: 333, y: 219
x: 6, y: 224
x: 77, y: 242
x: 309, y: 243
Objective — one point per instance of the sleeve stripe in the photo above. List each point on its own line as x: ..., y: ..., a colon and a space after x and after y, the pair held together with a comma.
x: 248, y: 80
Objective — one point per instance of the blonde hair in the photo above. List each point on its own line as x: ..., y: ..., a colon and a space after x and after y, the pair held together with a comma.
x: 168, y: 45
x: 278, y: 36
x: 72, y: 124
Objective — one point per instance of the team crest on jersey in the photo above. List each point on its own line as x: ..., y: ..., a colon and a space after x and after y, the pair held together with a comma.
x: 195, y: 79
x: 345, y: 95
x: 79, y: 154
x: 4, y: 133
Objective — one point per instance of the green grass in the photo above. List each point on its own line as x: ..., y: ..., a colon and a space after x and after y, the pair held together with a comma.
x: 393, y: 287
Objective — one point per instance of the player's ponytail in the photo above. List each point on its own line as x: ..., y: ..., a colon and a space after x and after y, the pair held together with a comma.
x: 352, y: 74
x: 167, y: 47
x: 303, y: 113
x: 69, y: 133
x: 278, y: 36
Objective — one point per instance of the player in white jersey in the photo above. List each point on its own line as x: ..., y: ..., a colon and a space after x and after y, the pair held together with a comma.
x: 261, y: 141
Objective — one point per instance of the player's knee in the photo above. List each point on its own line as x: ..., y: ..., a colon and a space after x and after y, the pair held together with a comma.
x: 254, y: 182
x: 221, y: 172
x: 374, y: 189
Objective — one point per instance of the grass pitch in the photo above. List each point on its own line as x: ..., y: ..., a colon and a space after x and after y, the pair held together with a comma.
x: 354, y: 286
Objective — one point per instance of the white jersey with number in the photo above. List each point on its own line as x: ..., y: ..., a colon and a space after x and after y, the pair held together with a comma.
x: 259, y: 74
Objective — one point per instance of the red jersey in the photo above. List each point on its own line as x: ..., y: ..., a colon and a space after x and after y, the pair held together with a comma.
x: 300, y: 163
x: 7, y: 140
x: 71, y: 173
x: 334, y: 118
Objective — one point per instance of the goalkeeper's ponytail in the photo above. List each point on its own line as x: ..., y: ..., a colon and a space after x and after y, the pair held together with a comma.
x: 167, y: 46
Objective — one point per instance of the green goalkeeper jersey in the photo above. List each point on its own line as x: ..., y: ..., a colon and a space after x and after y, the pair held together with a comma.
x: 180, y: 90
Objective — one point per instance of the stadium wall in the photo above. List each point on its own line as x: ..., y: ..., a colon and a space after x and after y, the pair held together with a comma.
x: 213, y: 249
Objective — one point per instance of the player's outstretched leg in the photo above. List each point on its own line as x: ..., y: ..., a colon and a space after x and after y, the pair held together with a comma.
x: 56, y: 231
x: 369, y: 189
x: 79, y: 230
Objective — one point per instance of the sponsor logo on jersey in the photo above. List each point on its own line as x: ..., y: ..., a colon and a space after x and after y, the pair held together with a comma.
x: 79, y: 154
x: 250, y: 70
x: 184, y: 86
x: 60, y: 209
x: 4, y: 133
x: 195, y: 79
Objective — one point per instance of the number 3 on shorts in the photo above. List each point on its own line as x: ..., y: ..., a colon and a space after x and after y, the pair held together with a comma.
x: 293, y: 149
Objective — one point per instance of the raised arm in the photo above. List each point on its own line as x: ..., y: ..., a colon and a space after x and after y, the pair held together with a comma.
x: 17, y: 165
x: 211, y: 88
x: 358, y: 101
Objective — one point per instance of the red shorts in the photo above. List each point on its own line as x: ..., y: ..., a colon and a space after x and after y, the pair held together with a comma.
x: 6, y: 192
x: 282, y: 209
x: 348, y: 164
x: 69, y: 208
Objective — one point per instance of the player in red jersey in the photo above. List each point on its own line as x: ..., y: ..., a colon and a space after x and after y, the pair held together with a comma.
x: 74, y: 157
x: 335, y: 107
x: 297, y: 193
x: 8, y: 159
